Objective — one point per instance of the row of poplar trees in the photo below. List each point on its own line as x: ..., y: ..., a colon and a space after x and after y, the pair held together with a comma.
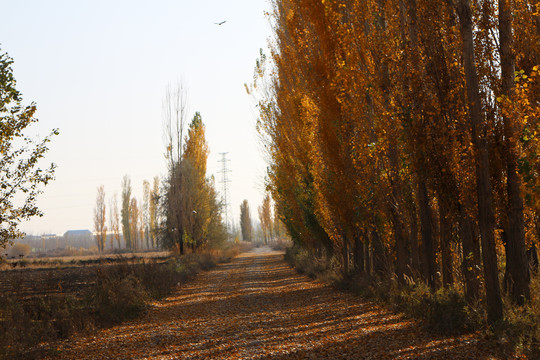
x: 403, y: 137
x: 139, y: 221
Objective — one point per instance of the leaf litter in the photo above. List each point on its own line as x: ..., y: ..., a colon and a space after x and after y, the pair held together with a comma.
x: 257, y: 307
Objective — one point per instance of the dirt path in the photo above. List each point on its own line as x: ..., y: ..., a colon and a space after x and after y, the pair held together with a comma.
x: 257, y: 307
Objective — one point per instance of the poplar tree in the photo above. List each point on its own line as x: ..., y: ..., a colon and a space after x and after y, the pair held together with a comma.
x: 134, y: 224
x: 174, y: 119
x: 265, y: 217
x: 145, y: 221
x: 154, y: 212
x: 245, y: 222
x: 193, y: 215
x: 114, y: 221
x: 196, y: 202
x: 99, y: 219
x: 126, y: 211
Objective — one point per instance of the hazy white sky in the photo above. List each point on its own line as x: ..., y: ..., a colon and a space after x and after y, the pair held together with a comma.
x: 98, y: 70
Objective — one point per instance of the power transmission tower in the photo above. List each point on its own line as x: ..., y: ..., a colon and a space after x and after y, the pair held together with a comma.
x: 226, y: 206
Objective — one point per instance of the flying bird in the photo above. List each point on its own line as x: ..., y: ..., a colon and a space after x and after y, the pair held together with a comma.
x: 221, y: 23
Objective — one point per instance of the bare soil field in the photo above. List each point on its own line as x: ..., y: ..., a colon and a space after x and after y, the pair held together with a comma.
x: 60, y: 275
x: 54, y: 261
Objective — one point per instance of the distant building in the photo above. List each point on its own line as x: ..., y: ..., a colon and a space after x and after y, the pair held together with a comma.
x: 78, y: 233
x: 79, y: 238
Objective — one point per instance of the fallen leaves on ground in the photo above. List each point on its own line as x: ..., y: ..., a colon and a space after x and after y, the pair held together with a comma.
x: 257, y: 307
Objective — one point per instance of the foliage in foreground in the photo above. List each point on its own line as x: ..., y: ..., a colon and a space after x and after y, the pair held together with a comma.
x: 120, y: 292
x: 20, y: 175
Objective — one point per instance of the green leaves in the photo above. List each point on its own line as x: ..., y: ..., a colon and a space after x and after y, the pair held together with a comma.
x: 20, y: 173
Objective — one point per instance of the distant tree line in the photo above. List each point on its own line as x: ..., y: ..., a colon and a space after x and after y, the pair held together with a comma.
x: 270, y: 227
x: 138, y: 220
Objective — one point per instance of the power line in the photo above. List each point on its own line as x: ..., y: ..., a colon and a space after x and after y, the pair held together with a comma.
x: 226, y: 206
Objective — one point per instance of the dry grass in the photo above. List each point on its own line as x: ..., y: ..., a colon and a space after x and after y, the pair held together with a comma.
x: 62, y: 261
x: 444, y: 312
x: 40, y: 304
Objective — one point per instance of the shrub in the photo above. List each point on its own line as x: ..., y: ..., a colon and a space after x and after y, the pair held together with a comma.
x: 158, y: 279
x: 280, y: 244
x: 117, y: 298
x: 445, y: 311
x: 17, y: 250
x: 24, y: 324
x: 520, y: 330
x: 312, y: 266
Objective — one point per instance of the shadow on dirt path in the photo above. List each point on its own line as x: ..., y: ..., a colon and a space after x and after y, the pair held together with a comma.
x: 257, y: 307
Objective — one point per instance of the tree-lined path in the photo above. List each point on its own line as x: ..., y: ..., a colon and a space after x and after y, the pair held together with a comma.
x: 257, y: 307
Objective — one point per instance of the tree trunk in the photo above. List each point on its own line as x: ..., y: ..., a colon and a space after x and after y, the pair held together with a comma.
x: 367, y: 256
x: 426, y: 223
x: 378, y: 254
x: 401, y: 250
x: 485, y: 201
x: 445, y: 226
x: 506, y: 277
x: 345, y: 254
x: 359, y: 255
x: 396, y: 209
x: 532, y: 256
x: 180, y: 230
x: 413, y: 240
x: 470, y: 263
x: 516, y: 258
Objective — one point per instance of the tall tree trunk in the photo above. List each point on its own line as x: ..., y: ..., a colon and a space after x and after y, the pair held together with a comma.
x: 359, y: 254
x: 180, y: 232
x: 378, y: 254
x: 415, y: 92
x: 532, y: 256
x: 506, y: 277
x: 345, y: 254
x: 413, y: 241
x: 400, y: 249
x: 426, y: 229
x: 471, y: 260
x: 445, y: 226
x: 486, y: 218
x: 396, y: 210
x: 516, y: 258
x: 367, y: 255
